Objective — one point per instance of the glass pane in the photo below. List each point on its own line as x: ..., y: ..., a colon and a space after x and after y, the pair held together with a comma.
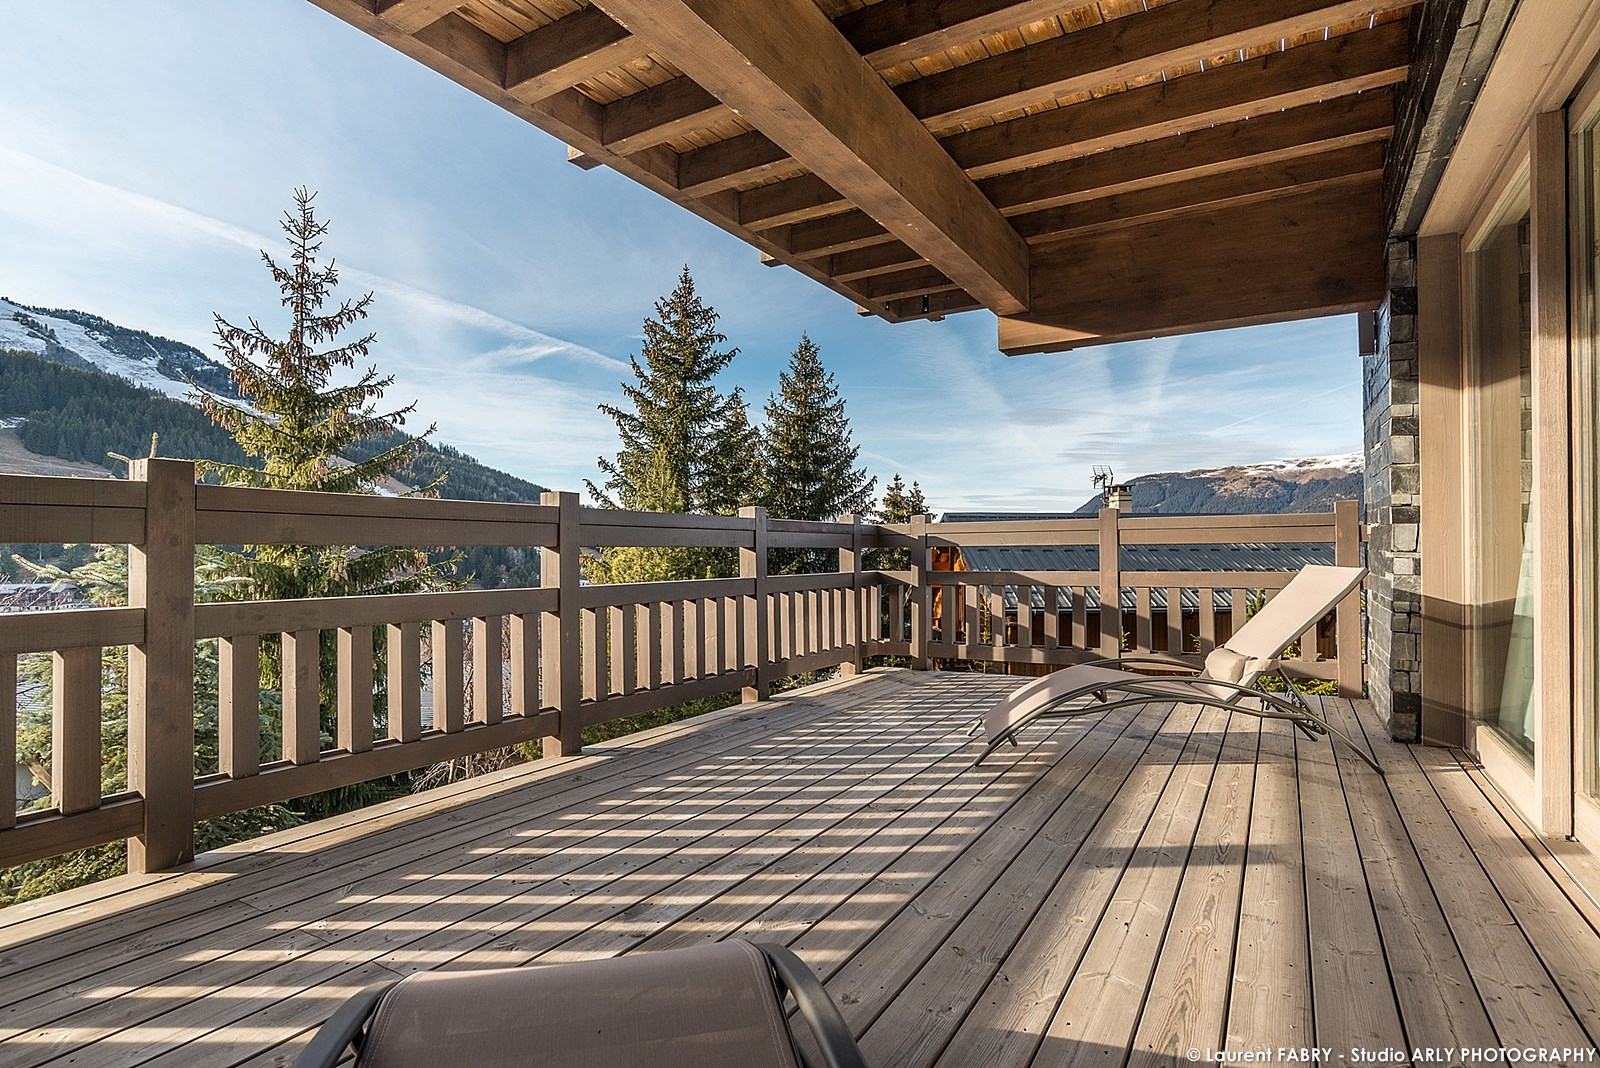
x: 1502, y: 395
x: 1588, y: 302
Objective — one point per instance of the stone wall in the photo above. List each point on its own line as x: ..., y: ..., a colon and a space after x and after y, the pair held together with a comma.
x: 1394, y: 586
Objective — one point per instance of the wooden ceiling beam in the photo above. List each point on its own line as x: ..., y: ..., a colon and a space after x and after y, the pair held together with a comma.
x: 885, y: 34
x: 658, y: 114
x: 1250, y: 185
x: 1340, y: 66
x: 931, y: 306
x: 1367, y: 118
x: 1215, y: 152
x: 768, y: 60
x: 570, y: 50
x: 476, y: 60
x: 873, y: 260
x: 1177, y: 34
x: 409, y: 16
x: 825, y: 237
x: 897, y: 31
x: 1318, y: 252
x: 902, y: 284
x: 1360, y: 119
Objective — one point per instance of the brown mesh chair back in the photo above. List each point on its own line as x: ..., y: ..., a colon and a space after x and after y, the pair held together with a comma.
x: 719, y: 1004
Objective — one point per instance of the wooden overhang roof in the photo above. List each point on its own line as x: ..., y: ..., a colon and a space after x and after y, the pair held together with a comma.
x: 1089, y: 172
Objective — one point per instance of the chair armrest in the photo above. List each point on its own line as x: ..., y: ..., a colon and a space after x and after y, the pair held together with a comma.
x: 328, y: 1045
x: 821, y: 1014
x: 1164, y: 661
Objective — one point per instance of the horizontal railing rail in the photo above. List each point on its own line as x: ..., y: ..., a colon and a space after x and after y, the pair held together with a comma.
x: 420, y: 678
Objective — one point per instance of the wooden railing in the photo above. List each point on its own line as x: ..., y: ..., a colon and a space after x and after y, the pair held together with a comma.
x: 994, y: 616
x: 495, y: 668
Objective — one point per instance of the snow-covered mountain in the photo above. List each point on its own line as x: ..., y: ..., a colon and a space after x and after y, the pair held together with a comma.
x: 79, y: 339
x: 1302, y: 484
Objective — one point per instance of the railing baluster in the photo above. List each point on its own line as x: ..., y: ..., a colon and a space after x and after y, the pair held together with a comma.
x: 1208, y: 619
x: 620, y: 644
x: 1025, y: 616
x: 75, y: 751
x: 997, y: 616
x: 672, y: 641
x: 593, y: 653
x: 448, y: 653
x: 1175, y: 621
x: 1080, y: 617
x: 405, y: 681
x: 1143, y: 626
x: 694, y: 638
x: 525, y: 665
x: 1052, y: 617
x: 302, y: 697
x: 649, y: 617
x: 488, y: 670
x: 625, y: 647
x: 355, y: 689
x: 239, y: 706
x: 8, y: 739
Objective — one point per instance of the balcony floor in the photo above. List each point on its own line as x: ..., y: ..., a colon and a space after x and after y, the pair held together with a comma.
x: 1114, y: 891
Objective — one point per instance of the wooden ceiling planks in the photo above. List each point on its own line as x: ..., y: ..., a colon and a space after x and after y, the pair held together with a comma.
x: 1052, y: 124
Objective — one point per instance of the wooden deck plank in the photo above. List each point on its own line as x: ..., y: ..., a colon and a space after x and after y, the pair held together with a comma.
x: 1187, y: 1003
x: 1019, y: 988
x: 1522, y: 1000
x: 1269, y: 998
x: 866, y: 975
x: 1352, y: 999
x: 48, y: 965
x: 1115, y: 891
x: 987, y: 915
x: 262, y: 857
x: 376, y: 910
x: 1101, y: 1007
x: 1435, y: 992
x: 1568, y: 947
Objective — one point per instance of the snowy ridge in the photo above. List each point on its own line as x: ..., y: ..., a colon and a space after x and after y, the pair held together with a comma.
x: 130, y: 355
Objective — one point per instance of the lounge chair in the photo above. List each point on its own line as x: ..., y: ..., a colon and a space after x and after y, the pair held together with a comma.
x: 715, y: 1005
x: 1232, y: 677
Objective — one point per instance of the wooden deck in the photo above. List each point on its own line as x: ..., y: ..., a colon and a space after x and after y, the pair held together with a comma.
x: 1113, y: 892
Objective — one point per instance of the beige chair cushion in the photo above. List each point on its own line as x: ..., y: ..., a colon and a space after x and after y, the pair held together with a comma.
x: 703, y: 1007
x: 1225, y: 665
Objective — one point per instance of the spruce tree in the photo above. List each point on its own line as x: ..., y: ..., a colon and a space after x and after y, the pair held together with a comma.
x: 899, y: 505
x: 684, y: 441
x: 810, y: 461
x: 298, y: 423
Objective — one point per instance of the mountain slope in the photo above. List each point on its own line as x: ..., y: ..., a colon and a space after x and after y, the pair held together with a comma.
x: 1308, y: 484
x: 79, y: 339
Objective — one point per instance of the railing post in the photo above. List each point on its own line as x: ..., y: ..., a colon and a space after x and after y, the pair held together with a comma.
x: 1347, y: 617
x: 921, y: 594
x: 850, y: 564
x: 559, y: 637
x: 1110, y: 583
x: 161, y: 668
x: 757, y: 619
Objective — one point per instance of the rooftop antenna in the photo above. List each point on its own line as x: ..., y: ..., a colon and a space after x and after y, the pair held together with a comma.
x: 1103, y: 478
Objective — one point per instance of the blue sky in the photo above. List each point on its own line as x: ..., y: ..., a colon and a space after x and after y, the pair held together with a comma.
x: 147, y: 151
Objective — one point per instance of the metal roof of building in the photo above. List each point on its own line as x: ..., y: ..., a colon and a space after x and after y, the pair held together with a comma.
x: 1180, y: 558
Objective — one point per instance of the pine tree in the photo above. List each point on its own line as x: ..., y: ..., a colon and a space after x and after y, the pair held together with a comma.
x: 298, y: 424
x: 810, y: 469
x: 682, y: 440
x: 898, y: 506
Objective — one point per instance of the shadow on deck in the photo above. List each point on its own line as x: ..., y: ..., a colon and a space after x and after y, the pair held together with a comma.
x: 1112, y: 892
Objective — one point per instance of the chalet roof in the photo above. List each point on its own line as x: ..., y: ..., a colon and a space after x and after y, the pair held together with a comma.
x: 1088, y: 171
x: 1198, y: 558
